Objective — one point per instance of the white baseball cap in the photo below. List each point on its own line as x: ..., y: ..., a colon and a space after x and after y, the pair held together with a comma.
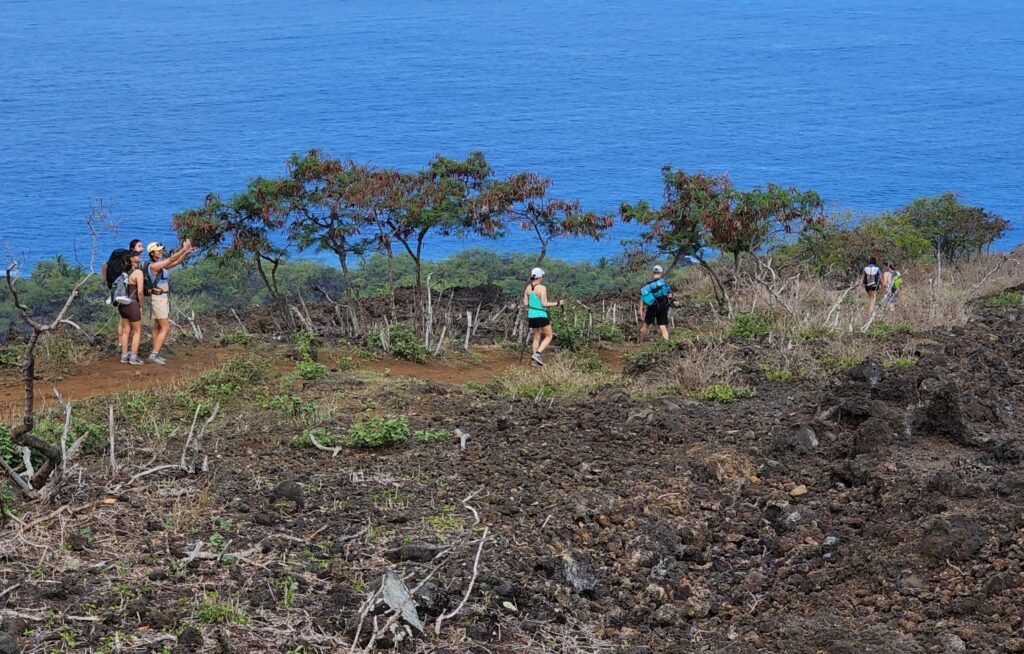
x: 659, y: 269
x: 536, y: 273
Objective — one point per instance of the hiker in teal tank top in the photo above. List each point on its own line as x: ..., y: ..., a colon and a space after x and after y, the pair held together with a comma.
x: 535, y: 299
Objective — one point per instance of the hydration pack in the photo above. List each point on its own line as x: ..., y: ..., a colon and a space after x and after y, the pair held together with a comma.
x: 120, y: 289
x: 116, y: 265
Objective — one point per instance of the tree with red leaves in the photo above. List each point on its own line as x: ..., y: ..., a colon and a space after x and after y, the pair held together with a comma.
x: 523, y: 198
x: 757, y: 217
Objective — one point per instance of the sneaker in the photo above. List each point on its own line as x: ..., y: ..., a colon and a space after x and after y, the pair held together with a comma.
x: 136, y: 360
x: 126, y: 357
x: 536, y: 359
x: 156, y: 358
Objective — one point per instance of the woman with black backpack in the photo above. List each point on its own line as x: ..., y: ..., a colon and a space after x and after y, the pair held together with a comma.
x: 872, y: 278
x: 130, y: 330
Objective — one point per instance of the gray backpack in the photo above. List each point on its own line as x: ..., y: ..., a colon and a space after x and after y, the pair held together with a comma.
x: 120, y: 289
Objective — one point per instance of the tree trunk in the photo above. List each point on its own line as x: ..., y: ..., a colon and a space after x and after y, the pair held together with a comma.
x: 22, y: 434
x: 721, y: 295
x: 350, y: 300
x: 391, y: 278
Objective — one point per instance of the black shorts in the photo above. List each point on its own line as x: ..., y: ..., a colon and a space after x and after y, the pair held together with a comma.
x: 657, y: 313
x: 539, y: 323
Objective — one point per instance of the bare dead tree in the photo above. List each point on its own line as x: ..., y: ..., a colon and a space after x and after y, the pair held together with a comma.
x: 22, y: 434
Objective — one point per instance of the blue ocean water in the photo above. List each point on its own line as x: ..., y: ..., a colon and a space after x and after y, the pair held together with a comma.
x: 150, y: 105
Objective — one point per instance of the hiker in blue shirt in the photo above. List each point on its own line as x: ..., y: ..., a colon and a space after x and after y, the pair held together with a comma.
x: 655, y: 301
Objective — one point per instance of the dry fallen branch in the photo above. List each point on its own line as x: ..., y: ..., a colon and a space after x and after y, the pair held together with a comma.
x: 469, y: 590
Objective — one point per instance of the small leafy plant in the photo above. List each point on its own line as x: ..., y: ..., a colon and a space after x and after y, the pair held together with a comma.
x: 311, y: 370
x: 322, y: 436
x: 431, y: 435
x: 400, y: 341
x: 379, y: 431
x: 901, y: 362
x: 723, y: 393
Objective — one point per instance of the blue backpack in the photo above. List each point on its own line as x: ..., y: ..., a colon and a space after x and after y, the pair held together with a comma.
x: 651, y: 292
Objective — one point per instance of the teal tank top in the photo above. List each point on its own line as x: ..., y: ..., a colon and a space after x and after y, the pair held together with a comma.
x: 537, y: 309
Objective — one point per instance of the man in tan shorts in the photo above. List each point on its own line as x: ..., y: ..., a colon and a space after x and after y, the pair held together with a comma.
x: 156, y: 271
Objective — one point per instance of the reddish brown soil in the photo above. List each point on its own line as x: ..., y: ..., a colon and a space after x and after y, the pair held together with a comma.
x: 489, y: 362
x: 108, y: 375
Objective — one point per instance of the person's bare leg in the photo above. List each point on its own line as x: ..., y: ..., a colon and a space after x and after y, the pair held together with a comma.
x: 548, y: 336
x: 535, y: 345
x: 161, y: 328
x: 871, y: 302
x: 644, y: 330
x: 124, y: 332
x: 136, y: 328
x: 664, y: 331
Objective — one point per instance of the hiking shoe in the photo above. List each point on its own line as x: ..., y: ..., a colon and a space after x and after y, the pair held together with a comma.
x: 536, y: 359
x: 156, y: 358
x: 136, y: 360
x: 126, y: 357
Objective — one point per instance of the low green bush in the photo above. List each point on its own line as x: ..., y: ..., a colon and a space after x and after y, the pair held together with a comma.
x: 723, y: 393
x: 1006, y: 299
x: 608, y: 333
x: 311, y: 370
x: 404, y: 343
x: 749, y: 326
x: 322, y: 436
x: 239, y: 338
x: 777, y: 374
x: 376, y: 432
x: 431, y: 435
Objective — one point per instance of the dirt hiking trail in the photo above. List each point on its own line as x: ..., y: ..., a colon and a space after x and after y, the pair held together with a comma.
x: 107, y: 375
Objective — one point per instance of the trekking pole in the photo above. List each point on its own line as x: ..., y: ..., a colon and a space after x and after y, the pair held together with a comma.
x: 522, y: 346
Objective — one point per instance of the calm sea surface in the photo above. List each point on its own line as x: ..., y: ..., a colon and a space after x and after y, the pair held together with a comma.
x: 150, y: 105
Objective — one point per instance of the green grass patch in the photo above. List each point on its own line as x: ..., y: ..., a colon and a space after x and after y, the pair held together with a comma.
x: 431, y: 435
x: 900, y: 362
x: 212, y: 610
x: 564, y: 376
x: 1006, y: 299
x: 884, y: 330
x: 723, y: 393
x: 777, y: 374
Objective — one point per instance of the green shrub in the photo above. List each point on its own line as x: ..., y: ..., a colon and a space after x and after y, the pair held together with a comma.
x: 568, y: 324
x: 777, y: 374
x: 10, y: 356
x: 723, y: 393
x: 1006, y: 299
x: 311, y: 370
x: 901, y: 362
x: 289, y: 404
x: 749, y: 326
x: 237, y: 373
x: 304, y: 342
x: 239, y: 338
x: 95, y: 434
x: 8, y: 450
x: 883, y: 330
x: 376, y: 432
x: 404, y: 343
x: 608, y: 333
x: 322, y: 436
x: 431, y: 435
